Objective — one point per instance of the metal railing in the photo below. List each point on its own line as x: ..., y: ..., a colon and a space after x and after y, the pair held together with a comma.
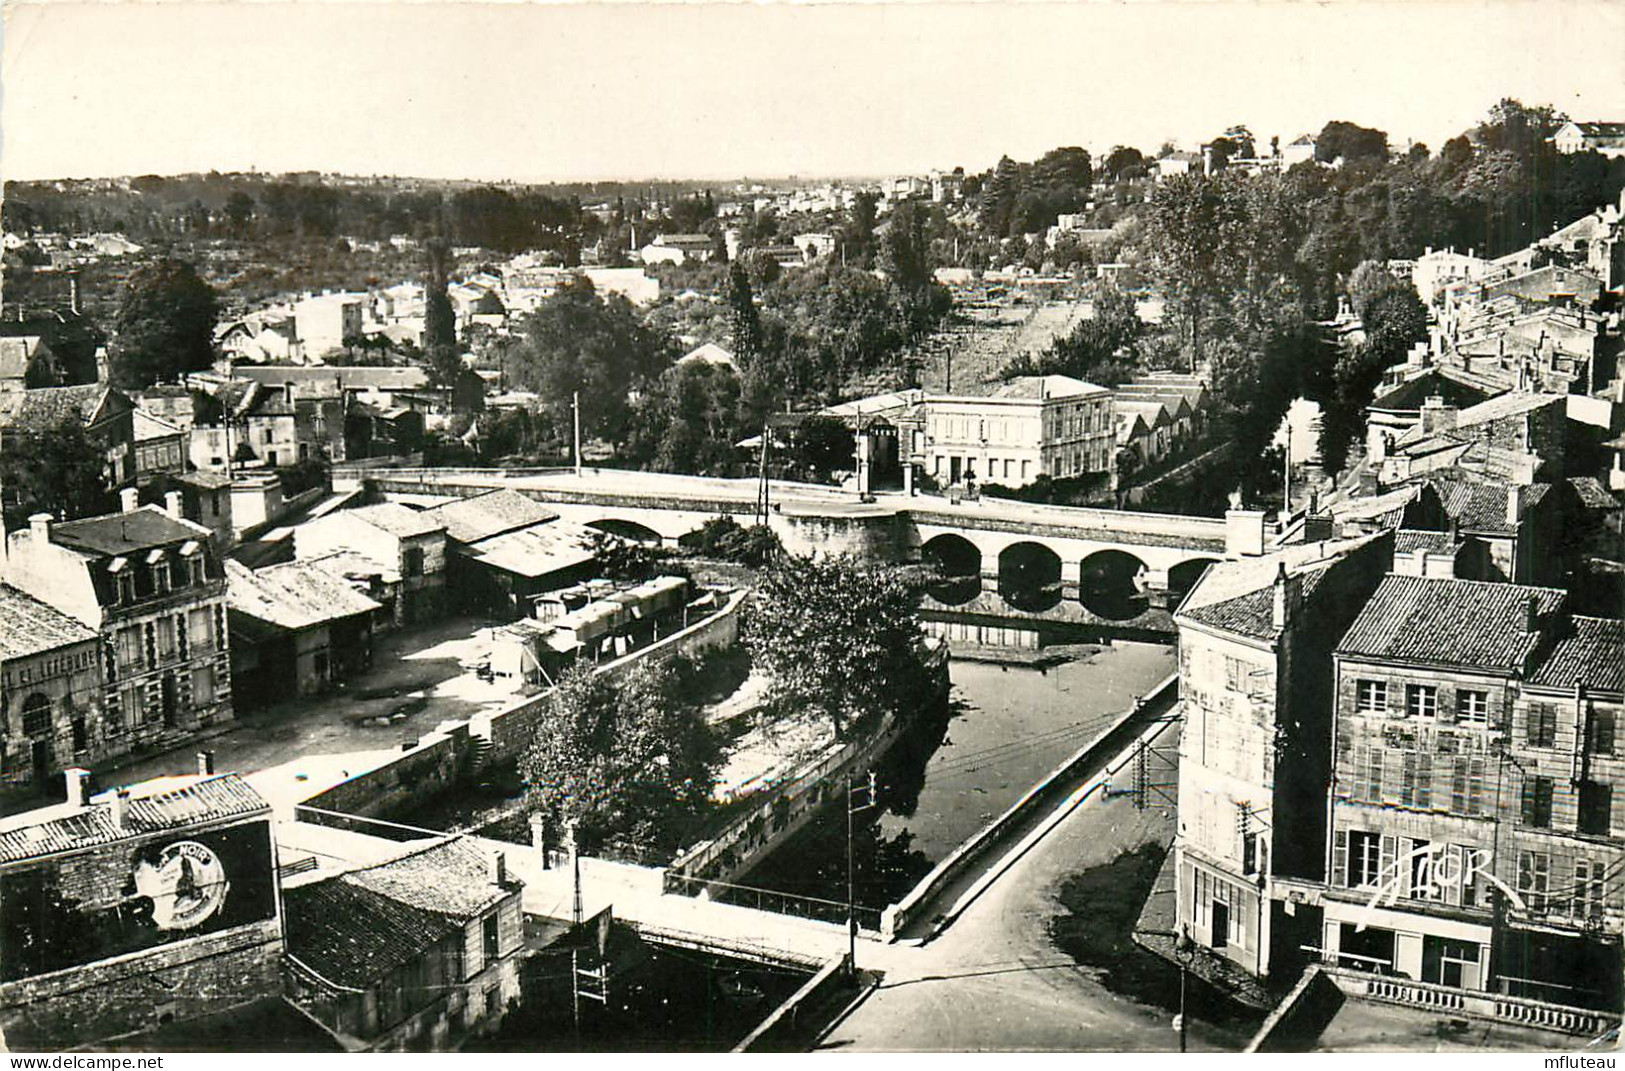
x: 770, y: 900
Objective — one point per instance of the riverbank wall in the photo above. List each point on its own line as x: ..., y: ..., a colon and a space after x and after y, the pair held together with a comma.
x: 921, y: 900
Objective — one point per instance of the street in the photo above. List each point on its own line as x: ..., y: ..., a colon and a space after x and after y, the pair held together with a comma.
x: 994, y: 980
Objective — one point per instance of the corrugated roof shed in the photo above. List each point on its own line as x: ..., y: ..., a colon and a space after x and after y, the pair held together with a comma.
x: 28, y: 626
x: 1471, y: 624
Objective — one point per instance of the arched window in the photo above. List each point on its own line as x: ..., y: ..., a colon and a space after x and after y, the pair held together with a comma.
x: 36, y: 715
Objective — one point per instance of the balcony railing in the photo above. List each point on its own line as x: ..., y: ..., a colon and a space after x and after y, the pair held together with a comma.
x: 1520, y: 1011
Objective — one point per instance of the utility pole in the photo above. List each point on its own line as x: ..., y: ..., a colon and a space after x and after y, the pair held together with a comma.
x: 851, y: 880
x: 575, y: 405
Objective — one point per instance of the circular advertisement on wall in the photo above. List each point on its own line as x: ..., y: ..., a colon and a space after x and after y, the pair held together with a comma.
x: 187, y: 885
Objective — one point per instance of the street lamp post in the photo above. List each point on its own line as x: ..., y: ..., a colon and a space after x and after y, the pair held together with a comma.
x: 1183, y: 950
x: 851, y: 882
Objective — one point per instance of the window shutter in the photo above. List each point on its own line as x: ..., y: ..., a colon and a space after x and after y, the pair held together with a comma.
x: 1424, y: 779
x: 1407, y: 784
x: 1452, y: 891
x: 1475, y: 788
x: 1529, y: 801
x: 1340, y: 859
x: 1458, y: 786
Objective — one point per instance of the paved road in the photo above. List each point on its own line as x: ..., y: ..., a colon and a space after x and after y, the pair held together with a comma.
x: 994, y: 980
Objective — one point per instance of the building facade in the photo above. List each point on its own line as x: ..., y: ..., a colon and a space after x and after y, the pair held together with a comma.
x: 50, y: 693
x: 1476, y: 838
x: 1255, y: 642
x: 401, y: 542
x: 119, y: 913
x: 151, y: 586
x: 420, y: 952
x: 1034, y: 426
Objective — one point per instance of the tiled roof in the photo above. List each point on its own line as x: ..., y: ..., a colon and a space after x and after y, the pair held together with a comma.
x: 355, y: 937
x: 1409, y: 540
x: 1482, y: 507
x: 468, y: 520
x: 46, y: 407
x: 1441, y: 621
x: 1238, y: 596
x: 209, y: 481
x: 397, y: 520
x: 1502, y: 406
x: 1035, y: 387
x: 1591, y: 493
x: 294, y: 595
x: 148, y: 811
x: 1601, y: 129
x: 1590, y: 650
x: 1414, y: 392
x: 451, y: 877
x: 28, y: 626
x: 125, y: 533
x: 149, y: 427
x: 1252, y: 614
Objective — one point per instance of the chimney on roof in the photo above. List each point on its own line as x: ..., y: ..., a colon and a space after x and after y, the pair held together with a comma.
x: 1514, y: 505
x: 497, y: 870
x: 287, y: 393
x: 172, y: 504
x: 39, y: 528
x: 73, y: 293
x: 1437, y: 416
x: 1286, y: 596
x: 129, y: 500
x: 1531, y: 614
x: 78, y: 785
x: 120, y: 804
x: 205, y: 763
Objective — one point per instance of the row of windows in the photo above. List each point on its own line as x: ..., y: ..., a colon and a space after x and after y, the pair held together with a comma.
x: 1409, y: 778
x: 1584, y: 896
x: 1472, y: 707
x: 143, y: 582
x: 1594, y: 805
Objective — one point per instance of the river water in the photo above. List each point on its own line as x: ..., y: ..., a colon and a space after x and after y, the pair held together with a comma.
x: 1006, y: 726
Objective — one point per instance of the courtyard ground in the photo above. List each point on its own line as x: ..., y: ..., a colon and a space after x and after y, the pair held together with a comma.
x: 417, y: 674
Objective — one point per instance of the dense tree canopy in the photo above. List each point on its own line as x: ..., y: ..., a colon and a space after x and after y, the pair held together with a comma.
x: 59, y: 471
x: 577, y: 340
x: 839, y: 638
x: 626, y: 759
x: 165, y: 325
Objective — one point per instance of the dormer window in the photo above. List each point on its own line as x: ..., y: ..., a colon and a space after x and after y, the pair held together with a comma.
x: 123, y: 578
x: 192, y: 555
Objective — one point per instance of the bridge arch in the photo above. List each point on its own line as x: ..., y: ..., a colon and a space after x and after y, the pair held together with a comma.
x: 619, y: 526
x: 1183, y: 577
x: 1030, y: 576
x: 1111, y: 584
x: 957, y: 565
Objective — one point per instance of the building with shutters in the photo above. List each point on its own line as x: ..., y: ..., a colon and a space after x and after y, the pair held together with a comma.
x: 1477, y: 839
x: 149, y: 584
x: 1255, y: 669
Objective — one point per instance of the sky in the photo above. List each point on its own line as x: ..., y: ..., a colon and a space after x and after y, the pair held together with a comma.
x: 560, y: 91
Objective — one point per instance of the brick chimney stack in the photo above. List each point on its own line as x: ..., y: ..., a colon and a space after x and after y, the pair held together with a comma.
x: 498, y: 868
x: 129, y: 500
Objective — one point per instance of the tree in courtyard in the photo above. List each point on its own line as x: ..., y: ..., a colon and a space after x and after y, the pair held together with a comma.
x: 839, y: 638
x: 164, y: 326
x: 58, y: 470
x: 625, y: 760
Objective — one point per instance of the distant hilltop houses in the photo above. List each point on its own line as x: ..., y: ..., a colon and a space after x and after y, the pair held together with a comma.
x: 1607, y: 138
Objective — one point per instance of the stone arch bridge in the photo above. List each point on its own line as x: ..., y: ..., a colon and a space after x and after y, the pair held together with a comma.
x: 1005, y: 545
